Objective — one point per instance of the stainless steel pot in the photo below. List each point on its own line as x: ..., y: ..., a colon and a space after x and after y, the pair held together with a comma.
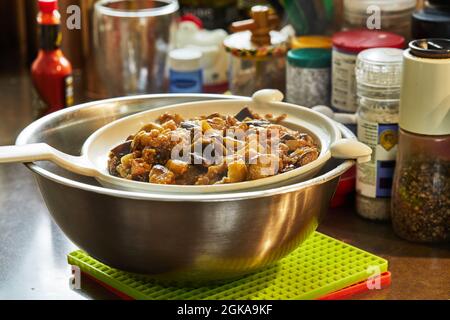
x: 177, y: 237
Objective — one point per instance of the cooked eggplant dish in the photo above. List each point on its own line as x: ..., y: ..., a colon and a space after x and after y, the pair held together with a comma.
x: 214, y: 149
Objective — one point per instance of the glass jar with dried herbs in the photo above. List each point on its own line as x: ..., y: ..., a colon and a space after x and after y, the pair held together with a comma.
x: 421, y: 204
x: 421, y: 189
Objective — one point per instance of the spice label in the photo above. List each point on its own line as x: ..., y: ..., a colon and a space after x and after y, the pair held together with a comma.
x: 185, y: 81
x: 374, y: 178
x: 344, y: 82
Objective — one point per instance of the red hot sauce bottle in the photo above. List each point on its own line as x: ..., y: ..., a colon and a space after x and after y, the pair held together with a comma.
x: 51, y: 71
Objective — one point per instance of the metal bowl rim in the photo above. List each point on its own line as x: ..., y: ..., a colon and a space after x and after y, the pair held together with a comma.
x: 170, y: 7
x: 27, y: 131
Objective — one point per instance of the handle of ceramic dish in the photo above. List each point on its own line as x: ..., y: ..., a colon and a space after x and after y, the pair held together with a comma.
x: 267, y: 95
x: 351, y: 149
x: 42, y: 151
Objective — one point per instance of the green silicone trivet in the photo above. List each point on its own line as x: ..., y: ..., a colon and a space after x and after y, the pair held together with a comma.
x: 321, y: 265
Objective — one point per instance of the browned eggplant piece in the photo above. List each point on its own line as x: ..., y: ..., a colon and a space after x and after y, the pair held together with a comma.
x: 287, y: 136
x: 244, y: 113
x: 161, y: 175
x: 122, y: 149
x: 258, y: 123
x: 113, y: 162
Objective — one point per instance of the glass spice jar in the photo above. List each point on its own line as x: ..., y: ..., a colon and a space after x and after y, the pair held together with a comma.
x: 248, y: 75
x: 378, y: 74
x: 346, y: 47
x: 421, y: 204
x: 308, y: 75
x: 421, y: 188
x: 185, y: 72
x: 395, y: 15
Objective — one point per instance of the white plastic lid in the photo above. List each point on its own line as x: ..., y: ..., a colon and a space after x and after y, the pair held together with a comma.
x: 186, y: 59
x: 380, y: 67
x: 425, y: 90
x: 384, y: 5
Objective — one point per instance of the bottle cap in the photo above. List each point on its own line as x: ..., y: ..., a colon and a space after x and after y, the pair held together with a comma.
x: 310, y: 58
x: 48, y: 6
x: 439, y: 3
x: 190, y: 17
x: 380, y: 67
x: 431, y: 48
x: 425, y: 97
x: 186, y: 59
x: 431, y: 22
x: 355, y: 41
x: 311, y: 42
x: 385, y: 5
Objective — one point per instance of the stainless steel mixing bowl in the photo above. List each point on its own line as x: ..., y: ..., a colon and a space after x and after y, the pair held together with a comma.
x: 172, y: 237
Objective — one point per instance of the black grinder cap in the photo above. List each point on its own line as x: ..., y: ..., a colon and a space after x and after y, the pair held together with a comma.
x: 431, y: 22
x: 443, y: 4
x: 431, y: 48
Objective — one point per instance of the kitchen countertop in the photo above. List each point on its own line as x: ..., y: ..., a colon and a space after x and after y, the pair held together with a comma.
x: 33, y: 249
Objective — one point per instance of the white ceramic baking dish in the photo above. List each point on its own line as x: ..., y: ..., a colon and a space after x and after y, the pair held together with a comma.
x: 95, y: 151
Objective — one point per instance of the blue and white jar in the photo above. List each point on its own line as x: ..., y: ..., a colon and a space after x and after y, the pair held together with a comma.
x: 185, y: 71
x: 378, y: 75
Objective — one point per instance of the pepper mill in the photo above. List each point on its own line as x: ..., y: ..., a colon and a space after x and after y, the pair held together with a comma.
x: 421, y: 189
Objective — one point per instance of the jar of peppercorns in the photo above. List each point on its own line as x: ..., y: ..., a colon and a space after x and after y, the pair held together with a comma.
x: 421, y: 189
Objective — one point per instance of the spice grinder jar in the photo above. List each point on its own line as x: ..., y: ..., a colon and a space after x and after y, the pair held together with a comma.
x: 421, y: 189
